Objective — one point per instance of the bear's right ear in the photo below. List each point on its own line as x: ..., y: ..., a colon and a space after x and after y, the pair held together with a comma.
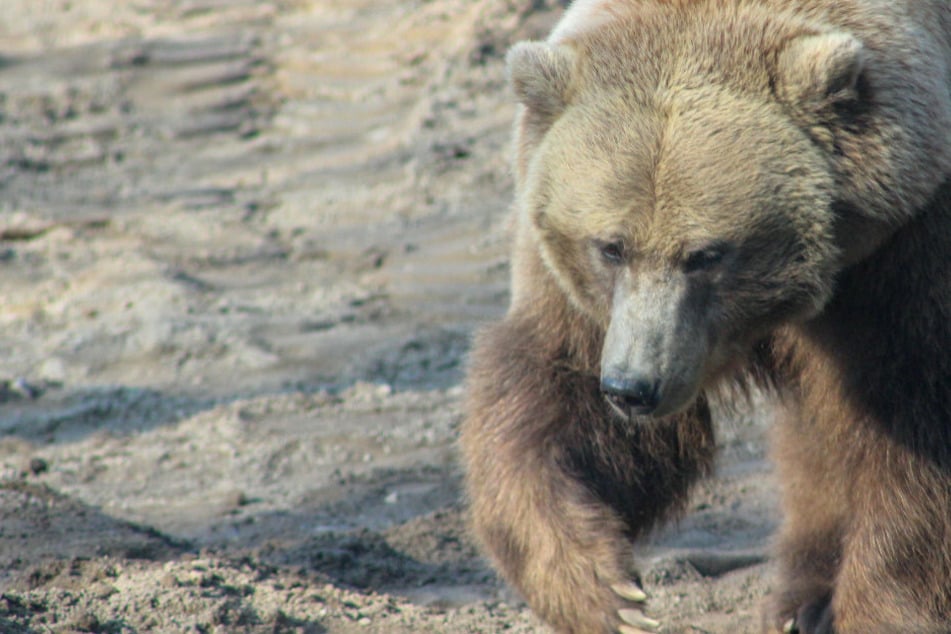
x: 814, y: 70
x: 540, y: 75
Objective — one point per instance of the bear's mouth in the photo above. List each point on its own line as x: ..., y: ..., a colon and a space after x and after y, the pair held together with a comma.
x: 633, y: 398
x: 630, y: 398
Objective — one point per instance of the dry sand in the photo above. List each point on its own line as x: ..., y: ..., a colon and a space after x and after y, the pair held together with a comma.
x: 243, y: 246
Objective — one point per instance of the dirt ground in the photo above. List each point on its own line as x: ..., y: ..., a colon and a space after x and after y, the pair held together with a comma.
x: 243, y: 246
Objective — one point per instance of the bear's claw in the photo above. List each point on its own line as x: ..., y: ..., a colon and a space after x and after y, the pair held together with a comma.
x: 790, y: 627
x: 640, y: 622
x: 634, y: 619
x: 630, y: 591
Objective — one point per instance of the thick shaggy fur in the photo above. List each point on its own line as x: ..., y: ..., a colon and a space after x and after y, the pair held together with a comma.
x: 811, y: 138
x: 866, y: 459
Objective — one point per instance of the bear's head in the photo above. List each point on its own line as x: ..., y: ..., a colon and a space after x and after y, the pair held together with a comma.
x: 676, y: 174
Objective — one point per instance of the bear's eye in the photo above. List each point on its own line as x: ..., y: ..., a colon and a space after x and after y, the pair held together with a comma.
x: 611, y: 252
x: 705, y: 259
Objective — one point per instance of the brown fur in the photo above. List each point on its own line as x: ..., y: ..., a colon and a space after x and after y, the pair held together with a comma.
x: 874, y: 384
x: 812, y: 141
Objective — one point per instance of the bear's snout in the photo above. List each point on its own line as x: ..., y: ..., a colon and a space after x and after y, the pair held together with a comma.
x: 631, y: 397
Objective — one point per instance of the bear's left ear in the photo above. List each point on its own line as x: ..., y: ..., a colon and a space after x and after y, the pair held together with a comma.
x: 541, y: 75
x: 814, y: 70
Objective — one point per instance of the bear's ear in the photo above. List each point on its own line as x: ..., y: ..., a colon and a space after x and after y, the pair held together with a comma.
x: 540, y: 75
x: 814, y: 70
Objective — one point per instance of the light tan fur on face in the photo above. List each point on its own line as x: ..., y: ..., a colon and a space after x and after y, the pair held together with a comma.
x: 693, y: 162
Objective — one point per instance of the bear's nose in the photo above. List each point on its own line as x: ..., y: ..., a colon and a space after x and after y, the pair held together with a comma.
x: 639, y: 396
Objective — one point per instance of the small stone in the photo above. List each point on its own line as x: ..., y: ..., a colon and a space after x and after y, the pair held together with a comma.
x: 38, y: 465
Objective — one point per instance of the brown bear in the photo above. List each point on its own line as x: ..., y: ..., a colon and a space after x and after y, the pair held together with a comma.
x: 712, y: 193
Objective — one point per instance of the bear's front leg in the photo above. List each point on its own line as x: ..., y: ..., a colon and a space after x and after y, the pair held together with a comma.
x: 897, y: 553
x: 559, y: 488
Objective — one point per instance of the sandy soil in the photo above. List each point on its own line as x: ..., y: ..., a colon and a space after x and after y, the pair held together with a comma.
x: 243, y: 246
